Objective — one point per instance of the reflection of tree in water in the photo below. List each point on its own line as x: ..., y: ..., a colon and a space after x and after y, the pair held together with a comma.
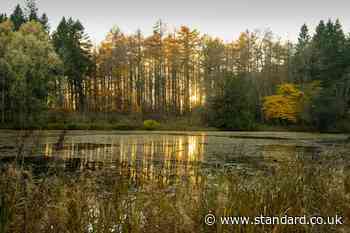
x: 164, y: 157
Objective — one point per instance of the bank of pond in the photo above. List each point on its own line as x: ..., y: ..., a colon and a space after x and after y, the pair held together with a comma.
x: 141, y: 181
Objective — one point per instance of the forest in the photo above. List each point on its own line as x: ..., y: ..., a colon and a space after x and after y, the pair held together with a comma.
x: 243, y: 129
x: 53, y: 77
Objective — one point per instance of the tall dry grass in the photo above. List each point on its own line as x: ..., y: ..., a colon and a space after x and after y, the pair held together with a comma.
x: 103, y: 201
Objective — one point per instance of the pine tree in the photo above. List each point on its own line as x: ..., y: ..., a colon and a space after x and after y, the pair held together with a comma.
x: 31, y: 10
x: 73, y: 46
x: 320, y: 34
x: 329, y: 48
x: 302, y: 59
x: 304, y: 38
x: 213, y: 60
x: 329, y: 54
x: 3, y: 18
x: 189, y: 40
x: 157, y: 45
x: 18, y: 17
x: 45, y: 22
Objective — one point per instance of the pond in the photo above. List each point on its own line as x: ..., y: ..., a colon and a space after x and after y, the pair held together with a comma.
x: 141, y: 181
x: 173, y: 152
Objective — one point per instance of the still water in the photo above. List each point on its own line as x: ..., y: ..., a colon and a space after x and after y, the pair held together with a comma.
x: 147, y: 176
x: 176, y: 153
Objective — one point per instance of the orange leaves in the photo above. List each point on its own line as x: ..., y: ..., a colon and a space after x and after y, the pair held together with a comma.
x: 189, y: 39
x: 286, y: 105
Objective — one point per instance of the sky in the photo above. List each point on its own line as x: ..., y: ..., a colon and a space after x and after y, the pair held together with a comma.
x: 221, y: 18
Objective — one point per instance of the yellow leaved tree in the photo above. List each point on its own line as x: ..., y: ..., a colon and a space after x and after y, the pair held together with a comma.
x: 285, y: 105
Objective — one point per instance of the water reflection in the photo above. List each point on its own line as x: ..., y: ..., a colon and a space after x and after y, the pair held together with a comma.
x: 161, y: 155
x: 131, y: 149
x: 167, y: 154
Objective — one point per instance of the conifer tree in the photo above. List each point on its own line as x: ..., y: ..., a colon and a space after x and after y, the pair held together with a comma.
x: 18, y: 17
x: 3, y: 18
x: 302, y: 58
x: 45, y: 22
x: 31, y: 10
x: 304, y: 37
x: 74, y: 47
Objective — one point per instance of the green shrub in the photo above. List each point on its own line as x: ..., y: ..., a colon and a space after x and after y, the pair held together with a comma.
x: 151, y: 125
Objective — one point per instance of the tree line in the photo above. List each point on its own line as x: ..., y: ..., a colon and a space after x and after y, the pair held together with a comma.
x: 257, y: 78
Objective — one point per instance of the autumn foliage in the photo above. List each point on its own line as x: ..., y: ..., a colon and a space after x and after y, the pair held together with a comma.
x: 173, y: 73
x: 285, y: 105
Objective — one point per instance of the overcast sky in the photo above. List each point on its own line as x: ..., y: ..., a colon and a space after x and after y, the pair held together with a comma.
x: 222, y: 18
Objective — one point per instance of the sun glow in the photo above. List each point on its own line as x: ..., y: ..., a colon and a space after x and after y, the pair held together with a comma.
x: 194, y: 99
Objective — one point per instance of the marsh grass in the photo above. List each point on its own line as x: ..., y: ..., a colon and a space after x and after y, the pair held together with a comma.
x: 107, y: 201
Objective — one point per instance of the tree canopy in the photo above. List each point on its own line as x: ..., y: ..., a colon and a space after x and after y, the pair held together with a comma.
x: 257, y: 78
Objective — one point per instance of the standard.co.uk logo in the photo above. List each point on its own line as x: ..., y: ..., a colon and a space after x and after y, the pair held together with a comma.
x: 211, y: 219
